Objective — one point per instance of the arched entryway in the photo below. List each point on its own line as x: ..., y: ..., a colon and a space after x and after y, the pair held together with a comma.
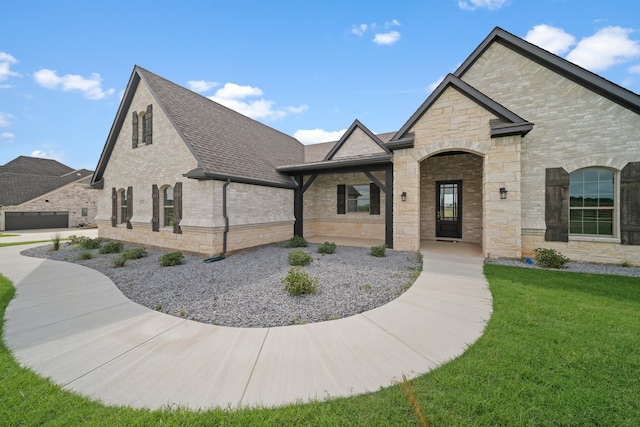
x: 451, y: 184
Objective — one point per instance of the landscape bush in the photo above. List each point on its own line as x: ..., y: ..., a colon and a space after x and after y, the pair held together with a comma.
x: 171, y: 259
x: 297, y: 242
x: 298, y: 282
x: 549, y: 258
x: 327, y: 248
x: 85, y: 255
x: 299, y: 257
x: 378, y: 251
x: 111, y: 248
x: 119, y: 261
x: 135, y: 253
x: 89, y: 243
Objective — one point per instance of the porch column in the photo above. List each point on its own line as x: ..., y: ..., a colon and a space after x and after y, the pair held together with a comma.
x: 298, y: 226
x: 388, y: 207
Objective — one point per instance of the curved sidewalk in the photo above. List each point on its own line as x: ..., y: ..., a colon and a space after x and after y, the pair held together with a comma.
x: 72, y: 324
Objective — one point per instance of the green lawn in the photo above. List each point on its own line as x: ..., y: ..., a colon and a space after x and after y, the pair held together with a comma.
x: 560, y: 349
x: 8, y: 235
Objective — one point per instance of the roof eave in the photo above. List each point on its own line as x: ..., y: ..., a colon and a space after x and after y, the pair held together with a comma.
x: 199, y: 174
x: 307, y: 168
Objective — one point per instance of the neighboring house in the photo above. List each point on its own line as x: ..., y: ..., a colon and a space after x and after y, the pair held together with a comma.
x: 42, y: 193
x: 517, y: 149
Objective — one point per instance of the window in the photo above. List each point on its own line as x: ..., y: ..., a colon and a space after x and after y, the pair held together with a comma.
x: 358, y: 198
x: 123, y: 206
x: 168, y: 206
x: 85, y: 212
x: 591, y: 207
x: 142, y: 127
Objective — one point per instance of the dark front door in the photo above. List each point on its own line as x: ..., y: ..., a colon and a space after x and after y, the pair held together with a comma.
x: 449, y: 209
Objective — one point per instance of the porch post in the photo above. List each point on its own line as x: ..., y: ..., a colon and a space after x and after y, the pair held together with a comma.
x: 388, y: 207
x: 297, y: 206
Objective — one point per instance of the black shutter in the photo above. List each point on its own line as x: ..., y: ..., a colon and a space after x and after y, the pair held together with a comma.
x: 129, y: 207
x: 374, y: 199
x: 556, y: 211
x: 134, y: 130
x: 341, y: 198
x: 177, y: 207
x: 114, y: 207
x: 630, y: 204
x: 155, y: 219
x: 148, y: 124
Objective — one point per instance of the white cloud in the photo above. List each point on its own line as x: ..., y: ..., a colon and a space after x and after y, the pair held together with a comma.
x: 607, y: 47
x: 359, y: 30
x: 386, y: 38
x: 47, y: 155
x: 91, y: 88
x: 392, y: 23
x: 232, y: 96
x: 7, y: 135
x: 478, y: 4
x: 5, y: 119
x: 553, y: 39
x: 634, y: 69
x: 432, y: 86
x: 314, y: 136
x: 6, y: 61
x: 201, y: 86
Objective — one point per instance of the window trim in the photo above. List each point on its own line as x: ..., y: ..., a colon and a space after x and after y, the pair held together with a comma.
x: 615, y: 216
x: 167, y: 224
x: 122, y: 211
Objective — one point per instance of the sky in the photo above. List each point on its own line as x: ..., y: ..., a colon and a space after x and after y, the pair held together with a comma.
x: 305, y: 68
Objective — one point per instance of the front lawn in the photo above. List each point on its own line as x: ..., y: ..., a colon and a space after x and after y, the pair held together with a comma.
x: 560, y: 349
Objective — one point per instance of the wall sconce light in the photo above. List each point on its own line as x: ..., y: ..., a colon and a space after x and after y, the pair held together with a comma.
x: 503, y: 193
x: 403, y: 196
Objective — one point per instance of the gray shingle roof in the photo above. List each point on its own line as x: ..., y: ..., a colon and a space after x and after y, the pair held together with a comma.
x: 26, y: 178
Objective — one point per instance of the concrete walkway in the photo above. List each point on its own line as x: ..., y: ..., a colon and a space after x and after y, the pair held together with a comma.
x: 72, y: 324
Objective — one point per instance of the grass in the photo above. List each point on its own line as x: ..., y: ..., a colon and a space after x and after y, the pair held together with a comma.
x: 2, y: 245
x: 8, y: 235
x: 560, y: 349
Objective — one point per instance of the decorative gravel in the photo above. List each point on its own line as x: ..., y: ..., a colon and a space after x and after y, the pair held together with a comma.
x: 580, y: 267
x: 246, y: 290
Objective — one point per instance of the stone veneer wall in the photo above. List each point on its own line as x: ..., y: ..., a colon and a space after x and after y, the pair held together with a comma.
x: 574, y: 128
x: 358, y: 144
x: 257, y: 214
x: 71, y: 198
x: 320, y: 213
x: 466, y: 167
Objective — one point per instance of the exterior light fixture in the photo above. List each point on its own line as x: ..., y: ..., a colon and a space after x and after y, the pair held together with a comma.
x: 503, y: 193
x: 403, y: 196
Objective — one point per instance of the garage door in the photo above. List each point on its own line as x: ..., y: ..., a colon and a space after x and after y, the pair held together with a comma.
x: 33, y: 220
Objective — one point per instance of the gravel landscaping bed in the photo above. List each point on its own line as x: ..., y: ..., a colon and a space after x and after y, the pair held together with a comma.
x: 580, y: 267
x: 246, y: 290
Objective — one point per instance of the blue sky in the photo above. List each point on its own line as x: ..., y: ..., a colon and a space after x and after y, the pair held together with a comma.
x: 306, y: 68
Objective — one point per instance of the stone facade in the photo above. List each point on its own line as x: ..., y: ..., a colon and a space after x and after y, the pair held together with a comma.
x: 358, y: 144
x: 257, y: 214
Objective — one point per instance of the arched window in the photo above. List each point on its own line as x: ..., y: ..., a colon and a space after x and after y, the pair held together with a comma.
x: 167, y: 207
x: 592, y: 202
x: 122, y: 198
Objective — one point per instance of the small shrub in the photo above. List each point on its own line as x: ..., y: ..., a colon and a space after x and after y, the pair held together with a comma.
x: 119, y: 261
x: 299, y: 257
x: 378, y: 251
x: 182, y: 312
x: 111, y: 248
x: 135, y: 253
x: 171, y: 259
x: 89, y: 243
x: 625, y: 264
x: 298, y: 282
x: 56, y: 241
x: 550, y: 258
x: 327, y: 248
x: 297, y: 242
x: 85, y: 255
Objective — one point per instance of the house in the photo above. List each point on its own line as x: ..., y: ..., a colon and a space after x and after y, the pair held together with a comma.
x: 517, y: 149
x: 44, y: 193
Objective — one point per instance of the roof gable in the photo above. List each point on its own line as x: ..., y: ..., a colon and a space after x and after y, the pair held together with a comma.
x: 224, y: 143
x: 508, y: 122
x: 35, y: 166
x: 358, y: 140
x: 569, y: 70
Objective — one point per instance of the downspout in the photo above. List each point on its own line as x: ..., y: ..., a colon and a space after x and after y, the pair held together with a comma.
x: 226, y: 224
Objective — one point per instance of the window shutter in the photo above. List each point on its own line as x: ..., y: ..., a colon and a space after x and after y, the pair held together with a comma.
x: 134, y: 130
x: 342, y: 191
x: 630, y: 204
x: 129, y: 207
x: 556, y: 211
x: 148, y: 121
x: 177, y: 207
x: 374, y: 199
x: 155, y: 219
x: 114, y: 207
